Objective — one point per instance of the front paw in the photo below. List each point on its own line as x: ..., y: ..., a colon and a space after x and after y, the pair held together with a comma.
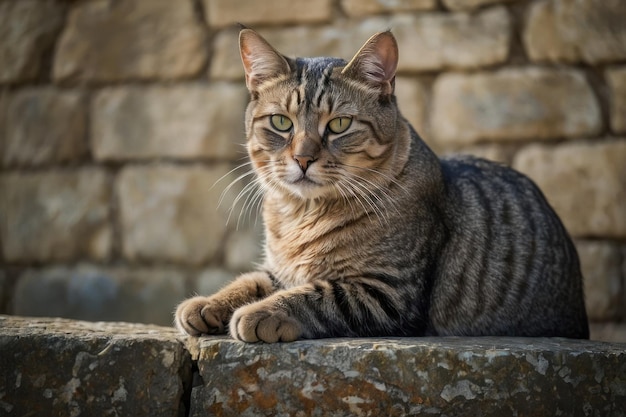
x: 201, y: 315
x: 255, y: 322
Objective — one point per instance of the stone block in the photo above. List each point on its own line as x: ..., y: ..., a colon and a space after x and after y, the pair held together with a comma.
x: 437, y: 41
x: 608, y: 332
x: 591, y: 31
x: 227, y: 12
x: 413, y: 97
x: 513, y: 104
x: 292, y: 41
x: 616, y: 79
x: 243, y: 249
x: 28, y: 30
x: 601, y: 264
x: 492, y: 152
x: 427, y: 42
x: 188, y: 121
x: 4, y: 102
x: 170, y: 213
x: 55, y: 215
x: 584, y: 182
x: 45, y: 126
x: 108, y: 40
x: 66, y: 368
x: 411, y: 376
x: 211, y: 280
x: 4, y: 291
x: 88, y: 292
x: 359, y: 8
x: 471, y: 4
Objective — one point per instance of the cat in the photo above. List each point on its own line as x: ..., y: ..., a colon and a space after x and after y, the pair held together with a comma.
x: 368, y: 233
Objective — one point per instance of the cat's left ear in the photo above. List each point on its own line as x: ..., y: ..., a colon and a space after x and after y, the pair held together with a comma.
x: 261, y: 61
x: 376, y: 62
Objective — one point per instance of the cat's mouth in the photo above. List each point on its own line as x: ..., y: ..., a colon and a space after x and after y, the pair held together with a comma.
x: 305, y: 181
x: 306, y: 187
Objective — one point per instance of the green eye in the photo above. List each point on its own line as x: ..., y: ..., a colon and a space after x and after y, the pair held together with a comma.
x: 280, y: 122
x: 339, y: 124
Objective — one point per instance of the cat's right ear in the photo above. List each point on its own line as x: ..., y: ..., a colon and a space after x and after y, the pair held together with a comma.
x: 261, y: 61
x: 376, y: 62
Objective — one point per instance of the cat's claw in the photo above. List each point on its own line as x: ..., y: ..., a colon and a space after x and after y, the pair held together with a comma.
x: 198, y: 315
x: 254, y: 323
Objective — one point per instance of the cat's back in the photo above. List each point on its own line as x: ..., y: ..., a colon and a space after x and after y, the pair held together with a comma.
x: 508, y: 266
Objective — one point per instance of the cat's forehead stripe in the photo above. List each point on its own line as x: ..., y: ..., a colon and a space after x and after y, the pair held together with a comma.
x: 313, y: 76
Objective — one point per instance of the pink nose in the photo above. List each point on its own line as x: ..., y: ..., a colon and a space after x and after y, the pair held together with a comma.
x: 304, y: 161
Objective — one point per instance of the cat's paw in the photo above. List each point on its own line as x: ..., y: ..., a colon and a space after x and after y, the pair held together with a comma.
x: 257, y: 323
x: 201, y: 315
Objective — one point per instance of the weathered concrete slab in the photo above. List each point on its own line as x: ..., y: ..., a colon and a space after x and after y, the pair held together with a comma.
x: 56, y: 367
x: 397, y: 377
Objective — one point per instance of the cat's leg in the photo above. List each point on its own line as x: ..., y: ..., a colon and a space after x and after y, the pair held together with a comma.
x: 210, y: 315
x: 354, y: 307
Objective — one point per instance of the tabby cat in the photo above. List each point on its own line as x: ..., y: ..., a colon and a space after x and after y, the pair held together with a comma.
x: 369, y: 233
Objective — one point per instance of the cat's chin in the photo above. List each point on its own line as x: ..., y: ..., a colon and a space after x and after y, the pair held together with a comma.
x: 307, y: 189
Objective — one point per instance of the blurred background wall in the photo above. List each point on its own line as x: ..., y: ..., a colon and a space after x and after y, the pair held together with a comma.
x: 118, y: 117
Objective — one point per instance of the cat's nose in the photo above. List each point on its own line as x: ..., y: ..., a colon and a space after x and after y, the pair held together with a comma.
x: 304, y: 161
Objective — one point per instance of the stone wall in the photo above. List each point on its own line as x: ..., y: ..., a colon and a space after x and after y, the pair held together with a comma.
x: 121, y: 124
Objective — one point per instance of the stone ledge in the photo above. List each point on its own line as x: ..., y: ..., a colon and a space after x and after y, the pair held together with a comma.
x: 59, y: 367
x: 52, y: 367
x: 397, y: 377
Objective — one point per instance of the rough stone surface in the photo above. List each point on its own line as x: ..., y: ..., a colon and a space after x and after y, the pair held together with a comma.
x: 211, y: 280
x: 443, y: 376
x: 427, y: 42
x: 187, y: 121
x: 471, y: 4
x: 358, y: 8
x: 88, y: 292
x: 413, y: 97
x: 4, y: 102
x: 596, y: 206
x: 107, y: 40
x: 171, y: 213
x: 4, y: 291
x: 590, y: 31
x: 28, y: 29
x: 45, y: 126
x: 616, y: 79
x: 602, y: 269
x: 436, y: 41
x: 226, y: 12
x: 513, y: 104
x: 55, y: 216
x: 68, y: 368
x: 611, y: 332
x: 243, y: 248
x: 491, y: 151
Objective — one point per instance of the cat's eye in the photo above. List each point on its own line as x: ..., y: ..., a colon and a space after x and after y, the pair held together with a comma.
x: 280, y: 122
x: 339, y: 124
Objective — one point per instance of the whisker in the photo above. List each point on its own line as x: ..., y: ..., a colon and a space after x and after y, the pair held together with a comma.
x: 366, y: 194
x: 220, y: 179
x: 380, y: 173
x: 249, y: 190
x: 232, y: 183
x: 387, y: 201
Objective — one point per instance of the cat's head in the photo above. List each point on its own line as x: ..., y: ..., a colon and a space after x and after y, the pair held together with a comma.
x: 321, y: 128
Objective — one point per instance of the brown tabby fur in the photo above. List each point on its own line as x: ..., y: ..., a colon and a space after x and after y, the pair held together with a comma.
x: 368, y: 233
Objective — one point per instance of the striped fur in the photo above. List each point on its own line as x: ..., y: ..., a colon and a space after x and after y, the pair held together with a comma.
x: 368, y: 233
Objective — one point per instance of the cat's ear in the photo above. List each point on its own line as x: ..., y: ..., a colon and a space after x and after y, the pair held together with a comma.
x: 376, y: 62
x: 260, y: 60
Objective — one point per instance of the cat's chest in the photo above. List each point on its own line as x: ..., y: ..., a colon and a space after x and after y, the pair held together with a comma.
x: 300, y: 250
